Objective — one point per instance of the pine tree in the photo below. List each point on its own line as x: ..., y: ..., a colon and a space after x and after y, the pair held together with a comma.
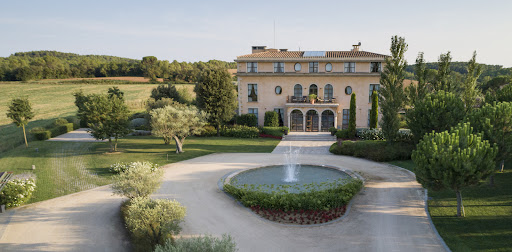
x: 374, y: 114
x: 216, y: 96
x: 453, y: 159
x: 436, y: 112
x: 352, y: 116
x: 494, y: 121
x: 469, y: 89
x: 392, y: 91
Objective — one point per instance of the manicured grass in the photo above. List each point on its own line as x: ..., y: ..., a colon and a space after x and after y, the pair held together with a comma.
x: 54, y: 99
x: 488, y: 222
x: 66, y: 167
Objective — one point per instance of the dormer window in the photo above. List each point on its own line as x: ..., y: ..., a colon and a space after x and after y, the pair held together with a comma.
x: 252, y: 67
x: 375, y: 67
x: 278, y: 67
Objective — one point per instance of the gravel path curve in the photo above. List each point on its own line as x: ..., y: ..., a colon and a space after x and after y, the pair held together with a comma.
x: 387, y: 215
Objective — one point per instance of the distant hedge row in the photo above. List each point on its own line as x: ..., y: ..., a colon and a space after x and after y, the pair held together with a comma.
x: 61, y: 126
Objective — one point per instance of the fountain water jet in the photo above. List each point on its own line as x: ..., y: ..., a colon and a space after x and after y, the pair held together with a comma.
x: 292, y: 166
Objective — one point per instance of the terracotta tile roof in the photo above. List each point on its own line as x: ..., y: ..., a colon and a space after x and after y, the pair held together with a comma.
x: 300, y: 54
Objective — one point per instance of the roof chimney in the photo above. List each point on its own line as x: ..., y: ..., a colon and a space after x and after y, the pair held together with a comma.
x: 258, y: 49
x: 356, y: 47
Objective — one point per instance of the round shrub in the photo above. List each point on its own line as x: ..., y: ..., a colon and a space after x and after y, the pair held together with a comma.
x: 122, y: 167
x: 139, y: 180
x: 153, y: 221
x: 137, y: 123
x: 17, y: 192
x: 199, y: 244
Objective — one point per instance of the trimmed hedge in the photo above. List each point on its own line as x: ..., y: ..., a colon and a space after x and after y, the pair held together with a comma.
x: 314, y: 196
x: 247, y: 120
x: 240, y: 131
x: 208, y: 131
x: 273, y: 131
x: 377, y: 150
x: 45, y: 134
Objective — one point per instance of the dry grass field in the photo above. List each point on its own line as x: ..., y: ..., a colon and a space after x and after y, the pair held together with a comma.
x: 54, y: 99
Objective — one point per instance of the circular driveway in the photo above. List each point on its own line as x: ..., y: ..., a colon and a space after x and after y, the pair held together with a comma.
x: 387, y: 215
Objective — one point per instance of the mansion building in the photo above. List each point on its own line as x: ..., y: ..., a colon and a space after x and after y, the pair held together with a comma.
x: 281, y: 80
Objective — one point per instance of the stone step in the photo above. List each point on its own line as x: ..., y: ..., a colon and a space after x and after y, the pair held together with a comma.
x: 309, y: 138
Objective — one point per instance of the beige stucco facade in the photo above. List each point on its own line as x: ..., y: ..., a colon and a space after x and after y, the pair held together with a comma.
x: 268, y: 99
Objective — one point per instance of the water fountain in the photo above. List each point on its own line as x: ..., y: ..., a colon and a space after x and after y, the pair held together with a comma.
x: 292, y: 166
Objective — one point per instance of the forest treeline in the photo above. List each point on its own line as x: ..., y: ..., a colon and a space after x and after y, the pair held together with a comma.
x: 459, y: 69
x: 36, y: 65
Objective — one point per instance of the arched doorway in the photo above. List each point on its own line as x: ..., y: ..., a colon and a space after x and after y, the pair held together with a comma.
x: 327, y: 120
x: 296, y: 121
x: 312, y: 121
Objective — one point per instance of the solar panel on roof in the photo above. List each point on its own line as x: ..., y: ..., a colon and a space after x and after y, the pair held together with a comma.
x: 314, y: 54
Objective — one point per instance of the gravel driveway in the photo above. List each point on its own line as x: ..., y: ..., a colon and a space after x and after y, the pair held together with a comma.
x: 387, y: 215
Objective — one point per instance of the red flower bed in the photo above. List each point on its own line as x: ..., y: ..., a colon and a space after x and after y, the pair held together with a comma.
x: 270, y: 136
x: 300, y: 217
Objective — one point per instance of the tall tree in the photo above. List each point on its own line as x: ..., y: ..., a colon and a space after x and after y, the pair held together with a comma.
x: 215, y: 94
x: 177, y: 123
x: 107, y: 118
x: 374, y: 114
x: 442, y: 79
x: 20, y: 112
x: 352, y: 116
x: 453, y: 159
x: 150, y: 69
x: 436, y: 112
x: 469, y: 89
x: 494, y: 121
x: 392, y: 90
x: 415, y: 92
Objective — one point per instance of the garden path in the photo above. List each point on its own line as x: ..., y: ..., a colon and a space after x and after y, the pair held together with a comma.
x: 387, y: 215
x: 79, y: 135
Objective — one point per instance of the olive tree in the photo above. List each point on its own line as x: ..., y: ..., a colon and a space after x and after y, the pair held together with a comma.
x: 177, y: 123
x: 20, y: 112
x: 453, y: 159
x: 140, y: 180
x: 153, y: 221
x: 494, y: 121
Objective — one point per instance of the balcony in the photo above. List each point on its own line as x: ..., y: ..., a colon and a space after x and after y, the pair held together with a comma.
x: 305, y: 99
x: 304, y: 102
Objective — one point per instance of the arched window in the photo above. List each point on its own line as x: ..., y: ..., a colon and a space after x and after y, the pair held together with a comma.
x: 297, y: 90
x: 328, y: 91
x: 313, y: 89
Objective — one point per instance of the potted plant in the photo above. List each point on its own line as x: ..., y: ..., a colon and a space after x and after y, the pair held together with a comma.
x: 312, y: 98
x: 333, y: 130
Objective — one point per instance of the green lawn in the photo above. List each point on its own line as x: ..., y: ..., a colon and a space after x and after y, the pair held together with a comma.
x: 51, y: 100
x: 488, y: 222
x: 65, y: 167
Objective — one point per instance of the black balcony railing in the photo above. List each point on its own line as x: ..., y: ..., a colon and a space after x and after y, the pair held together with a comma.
x: 305, y: 99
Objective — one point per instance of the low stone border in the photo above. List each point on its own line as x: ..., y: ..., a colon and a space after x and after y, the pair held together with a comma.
x: 227, y: 178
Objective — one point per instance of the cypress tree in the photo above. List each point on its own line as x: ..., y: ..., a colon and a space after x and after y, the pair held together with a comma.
x: 469, y: 89
x: 374, y: 114
x: 392, y: 91
x: 352, y: 116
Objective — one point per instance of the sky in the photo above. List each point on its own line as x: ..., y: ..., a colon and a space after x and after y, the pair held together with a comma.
x: 204, y: 30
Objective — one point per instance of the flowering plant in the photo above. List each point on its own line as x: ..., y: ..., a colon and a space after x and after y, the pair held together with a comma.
x: 122, y: 167
x: 17, y: 192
